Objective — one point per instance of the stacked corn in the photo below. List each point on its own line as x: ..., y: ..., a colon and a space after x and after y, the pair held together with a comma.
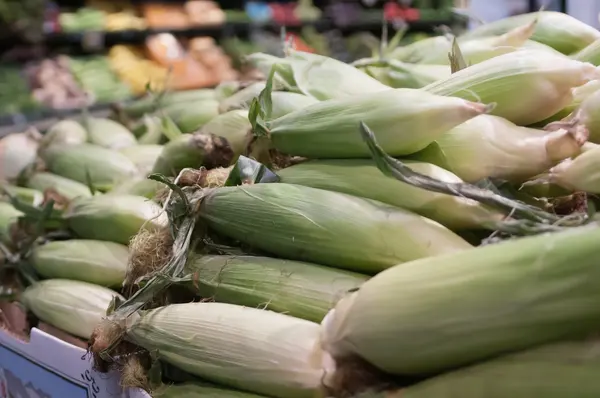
x: 334, y: 279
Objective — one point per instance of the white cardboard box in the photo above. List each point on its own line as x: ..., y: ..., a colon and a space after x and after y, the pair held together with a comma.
x: 47, y: 367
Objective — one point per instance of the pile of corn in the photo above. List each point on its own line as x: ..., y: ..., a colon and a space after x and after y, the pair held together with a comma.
x: 320, y: 275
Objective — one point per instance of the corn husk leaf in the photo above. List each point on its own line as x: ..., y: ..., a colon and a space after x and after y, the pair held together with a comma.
x: 65, y: 187
x: 108, y: 134
x: 8, y: 216
x: 190, y: 116
x: 65, y: 132
x: 17, y: 153
x: 143, y: 156
x: 138, y: 187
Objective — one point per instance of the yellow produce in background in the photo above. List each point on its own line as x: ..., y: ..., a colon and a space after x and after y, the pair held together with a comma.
x: 132, y: 67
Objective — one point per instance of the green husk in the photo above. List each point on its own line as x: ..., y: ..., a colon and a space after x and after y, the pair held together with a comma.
x: 590, y: 54
x: 580, y: 94
x: 234, y: 127
x: 65, y: 187
x: 298, y: 289
x: 8, y: 216
x: 581, y: 173
x: 416, y: 51
x: 362, y: 178
x: 405, y: 121
x: 587, y: 114
x: 492, y: 147
x: 104, y: 166
x: 555, y: 29
x: 149, y: 103
x: 485, y: 302
x: 285, y: 102
x: 18, y: 152
x: 526, y: 86
x: 265, y: 62
x: 108, y: 134
x: 226, y: 89
x: 113, y: 218
x: 240, y: 347
x: 404, y: 75
x: 98, y: 262
x: 190, y: 116
x: 143, y: 156
x: 330, y: 228
x: 191, y: 390
x: 558, y: 370
x: 65, y: 132
x: 138, y: 187
x: 73, y: 306
x: 28, y: 195
x: 241, y: 99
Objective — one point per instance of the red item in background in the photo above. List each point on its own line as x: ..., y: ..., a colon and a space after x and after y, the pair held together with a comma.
x: 284, y: 14
x: 299, y: 44
x: 392, y: 10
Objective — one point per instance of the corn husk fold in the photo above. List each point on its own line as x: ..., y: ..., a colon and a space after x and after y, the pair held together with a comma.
x: 138, y: 187
x: 65, y: 132
x: 405, y: 75
x: 302, y: 290
x: 73, y: 306
x: 245, y: 348
x: 190, y: 116
x: 113, y: 218
x: 581, y: 173
x: 143, y: 156
x: 108, y: 134
x: 362, y: 178
x: 330, y: 228
x: 65, y: 187
x: 485, y: 302
x: 98, y: 262
x: 543, y: 81
x: 404, y: 121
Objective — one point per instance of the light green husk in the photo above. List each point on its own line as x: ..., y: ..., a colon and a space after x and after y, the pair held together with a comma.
x: 143, y: 156
x: 590, y: 54
x: 323, y: 227
x: 325, y: 78
x: 265, y: 62
x: 65, y: 132
x: 138, y: 187
x: 362, y: 178
x: 8, y: 216
x: 27, y: 195
x: 191, y: 390
x: 580, y: 94
x: 240, y: 347
x: 73, y: 306
x: 526, y: 86
x: 148, y: 103
x: 65, y: 187
x: 404, y: 121
x: 106, y: 167
x: 560, y: 370
x: 588, y: 115
x: 242, y: 99
x: 226, y: 89
x: 18, y: 152
x: 190, y: 116
x: 441, y: 313
x: 555, y: 29
x: 285, y: 102
x: 108, y: 134
x: 490, y: 146
x: 405, y: 75
x: 302, y: 290
x: 113, y: 218
x: 234, y: 126
x: 581, y: 173
x: 98, y: 262
x: 415, y: 52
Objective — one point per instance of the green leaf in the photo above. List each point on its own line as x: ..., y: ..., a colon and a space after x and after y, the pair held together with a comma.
x: 169, y: 128
x: 457, y: 61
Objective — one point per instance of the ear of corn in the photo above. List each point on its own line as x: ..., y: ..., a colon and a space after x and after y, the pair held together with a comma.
x: 405, y: 75
x: 286, y: 102
x: 490, y: 146
x: 8, y: 216
x: 108, y: 133
x: 149, y: 103
x: 404, y: 120
x: 105, y: 166
x: 547, y: 371
x: 143, y: 156
x: 265, y: 62
x: 485, y: 302
x: 226, y: 89
x: 580, y: 94
x: 93, y: 261
x: 588, y: 115
x: 544, y: 81
x: 65, y: 187
x: 415, y: 52
x: 191, y: 390
x: 578, y: 174
x: 190, y: 116
x: 27, y: 195
x: 138, y: 187
x: 113, y: 218
x: 590, y: 54
x: 17, y: 152
x: 65, y: 132
x: 362, y: 178
x: 330, y: 228
x: 246, y: 348
x: 325, y: 78
x: 234, y: 127
x: 555, y: 29
x: 241, y: 99
x: 298, y: 289
x: 73, y: 306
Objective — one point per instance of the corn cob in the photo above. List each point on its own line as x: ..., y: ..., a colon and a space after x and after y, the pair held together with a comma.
x: 65, y: 187
x: 113, y: 218
x: 93, y: 261
x: 191, y: 390
x: 65, y: 132
x: 544, y: 83
x: 105, y: 166
x: 73, y: 306
x: 405, y: 121
x: 108, y: 133
x: 8, y: 216
x: 362, y: 178
x: 143, y: 156
x: 138, y: 187
x: 190, y: 116
x: 579, y: 173
x: 490, y: 146
x: 325, y: 227
x: 558, y: 370
x: 246, y: 348
x: 543, y: 80
x: 298, y: 289
x: 555, y: 29
x: 484, y: 302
